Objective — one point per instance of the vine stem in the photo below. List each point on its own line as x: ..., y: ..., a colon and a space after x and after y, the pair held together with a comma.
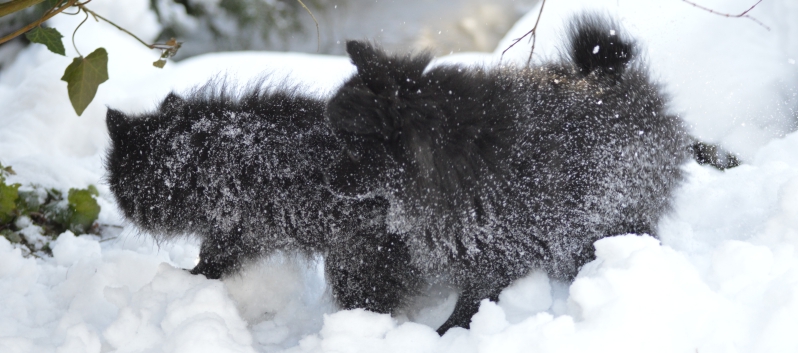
x: 12, y: 6
x: 76, y: 31
x: 95, y: 15
x: 38, y: 22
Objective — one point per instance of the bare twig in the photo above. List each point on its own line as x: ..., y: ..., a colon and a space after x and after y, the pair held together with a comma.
x: 169, y: 48
x: 12, y: 6
x: 96, y: 16
x: 49, y: 14
x: 31, y: 253
x: 743, y: 14
x: 318, y: 35
x: 531, y: 33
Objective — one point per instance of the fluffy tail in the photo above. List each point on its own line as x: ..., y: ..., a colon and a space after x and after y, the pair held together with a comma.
x: 596, y: 44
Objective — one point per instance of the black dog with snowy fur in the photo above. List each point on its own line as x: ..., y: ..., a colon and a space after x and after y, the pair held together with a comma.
x: 493, y: 172
x: 244, y: 174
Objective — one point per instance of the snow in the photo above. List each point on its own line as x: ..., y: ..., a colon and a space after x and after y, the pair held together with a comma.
x: 722, y: 278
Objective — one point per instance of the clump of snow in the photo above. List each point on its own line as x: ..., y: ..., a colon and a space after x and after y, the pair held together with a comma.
x: 722, y: 278
x: 527, y: 296
x: 176, y: 311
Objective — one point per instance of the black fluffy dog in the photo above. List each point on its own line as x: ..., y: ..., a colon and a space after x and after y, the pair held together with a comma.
x: 493, y: 172
x: 465, y: 175
x: 245, y: 175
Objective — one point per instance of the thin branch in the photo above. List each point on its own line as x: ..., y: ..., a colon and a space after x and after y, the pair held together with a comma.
x: 169, y: 48
x: 31, y: 253
x: 12, y: 6
x: 151, y: 46
x: 743, y: 14
x: 72, y: 14
x: 533, y: 37
x: 38, y: 22
x: 318, y: 36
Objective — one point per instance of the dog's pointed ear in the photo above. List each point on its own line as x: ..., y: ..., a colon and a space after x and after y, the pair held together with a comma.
x: 372, y: 64
x: 117, y: 123
x: 380, y: 71
x: 171, y: 102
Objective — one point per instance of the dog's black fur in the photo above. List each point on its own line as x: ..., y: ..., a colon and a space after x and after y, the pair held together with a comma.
x: 713, y: 155
x: 493, y: 172
x: 466, y: 175
x: 244, y: 174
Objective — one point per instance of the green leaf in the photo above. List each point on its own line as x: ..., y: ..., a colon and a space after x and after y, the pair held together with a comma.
x: 85, y: 210
x: 50, y: 37
x: 5, y: 171
x: 11, y: 236
x: 83, y: 76
x: 58, y: 212
x: 93, y: 190
x: 160, y: 63
x: 55, y: 194
x: 28, y: 202
x: 8, y: 199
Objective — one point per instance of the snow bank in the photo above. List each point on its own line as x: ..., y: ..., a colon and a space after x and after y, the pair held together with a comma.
x: 724, y: 277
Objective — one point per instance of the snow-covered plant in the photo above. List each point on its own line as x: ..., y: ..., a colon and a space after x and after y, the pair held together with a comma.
x: 33, y: 215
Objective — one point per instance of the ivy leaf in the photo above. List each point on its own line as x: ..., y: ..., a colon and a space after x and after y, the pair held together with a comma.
x: 5, y: 171
x: 84, y: 210
x: 93, y: 190
x: 170, y: 49
x: 8, y: 198
x: 31, y: 200
x: 83, y: 76
x: 12, y: 237
x: 50, y: 37
x: 58, y: 212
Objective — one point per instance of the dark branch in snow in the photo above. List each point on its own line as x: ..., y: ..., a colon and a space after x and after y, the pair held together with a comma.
x: 743, y: 14
x: 532, y: 35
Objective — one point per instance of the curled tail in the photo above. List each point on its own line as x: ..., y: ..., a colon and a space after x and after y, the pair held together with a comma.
x: 596, y: 44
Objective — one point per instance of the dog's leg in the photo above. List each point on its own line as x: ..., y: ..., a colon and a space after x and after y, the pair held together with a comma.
x: 222, y: 254
x: 468, y: 304
x: 372, y: 272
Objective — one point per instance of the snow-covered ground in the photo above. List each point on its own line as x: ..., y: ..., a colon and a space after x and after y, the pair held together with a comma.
x: 722, y: 278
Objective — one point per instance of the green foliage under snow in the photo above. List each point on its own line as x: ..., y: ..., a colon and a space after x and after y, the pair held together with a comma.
x: 33, y: 216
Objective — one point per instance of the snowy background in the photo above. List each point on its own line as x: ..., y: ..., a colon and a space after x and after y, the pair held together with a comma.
x: 723, y: 277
